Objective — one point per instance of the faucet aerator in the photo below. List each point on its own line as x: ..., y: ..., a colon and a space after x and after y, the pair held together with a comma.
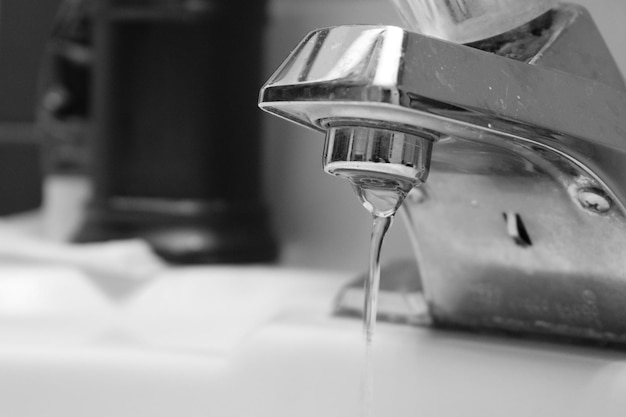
x: 374, y: 152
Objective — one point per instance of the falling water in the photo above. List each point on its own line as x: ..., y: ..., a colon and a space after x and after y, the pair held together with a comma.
x: 382, y: 196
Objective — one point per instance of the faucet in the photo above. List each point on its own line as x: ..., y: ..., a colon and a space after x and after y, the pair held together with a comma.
x: 515, y: 149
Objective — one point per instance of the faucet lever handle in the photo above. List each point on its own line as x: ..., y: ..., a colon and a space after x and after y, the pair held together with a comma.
x: 464, y: 21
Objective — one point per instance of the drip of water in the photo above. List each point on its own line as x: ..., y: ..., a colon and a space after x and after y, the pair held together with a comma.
x: 381, y: 195
x: 379, y: 230
x: 370, y: 307
x: 367, y: 382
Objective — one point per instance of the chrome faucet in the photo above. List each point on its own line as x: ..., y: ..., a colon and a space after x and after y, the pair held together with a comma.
x: 518, y: 146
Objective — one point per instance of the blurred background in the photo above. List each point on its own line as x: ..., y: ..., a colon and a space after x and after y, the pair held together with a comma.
x: 315, y: 218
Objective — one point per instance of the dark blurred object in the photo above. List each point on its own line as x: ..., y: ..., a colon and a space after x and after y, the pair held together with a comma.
x: 174, y: 143
x: 24, y: 28
x: 65, y: 84
x: 20, y: 173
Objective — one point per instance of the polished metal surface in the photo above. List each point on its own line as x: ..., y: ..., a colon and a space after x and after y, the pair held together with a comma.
x: 369, y: 149
x: 521, y: 225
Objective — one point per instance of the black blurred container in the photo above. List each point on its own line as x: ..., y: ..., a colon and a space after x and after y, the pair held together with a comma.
x: 175, y: 147
x: 24, y: 26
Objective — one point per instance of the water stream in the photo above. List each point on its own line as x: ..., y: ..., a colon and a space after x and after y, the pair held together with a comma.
x: 382, y: 196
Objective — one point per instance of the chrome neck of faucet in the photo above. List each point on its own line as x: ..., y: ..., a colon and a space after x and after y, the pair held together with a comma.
x: 402, y: 81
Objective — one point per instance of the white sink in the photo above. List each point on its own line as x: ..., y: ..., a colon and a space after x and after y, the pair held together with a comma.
x: 256, y: 341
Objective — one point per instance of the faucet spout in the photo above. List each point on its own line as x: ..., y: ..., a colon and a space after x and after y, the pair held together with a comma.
x: 522, y: 141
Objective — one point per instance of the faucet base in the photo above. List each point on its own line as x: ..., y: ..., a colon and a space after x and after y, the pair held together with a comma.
x: 539, y: 256
x: 400, y: 298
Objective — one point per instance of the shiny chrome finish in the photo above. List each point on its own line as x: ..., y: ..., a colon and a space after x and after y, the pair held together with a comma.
x: 365, y: 149
x: 522, y: 223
